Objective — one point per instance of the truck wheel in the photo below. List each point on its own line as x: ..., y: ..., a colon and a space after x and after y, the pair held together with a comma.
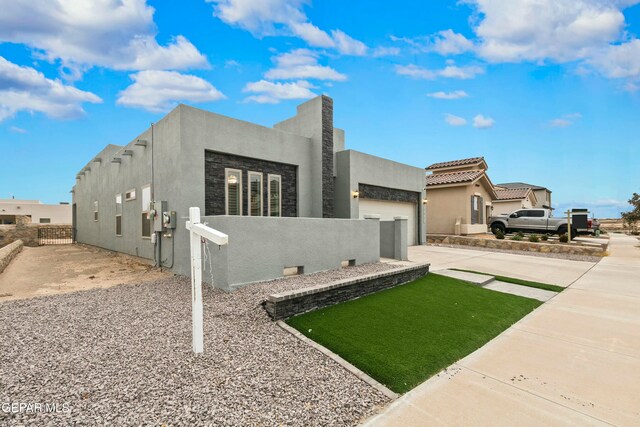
x: 574, y: 233
x: 497, y: 227
x: 562, y: 230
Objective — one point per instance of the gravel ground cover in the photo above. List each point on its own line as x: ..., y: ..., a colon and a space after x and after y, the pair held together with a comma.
x: 122, y: 356
x: 571, y: 257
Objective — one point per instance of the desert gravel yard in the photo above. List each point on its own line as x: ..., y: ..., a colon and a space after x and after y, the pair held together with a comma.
x: 122, y: 356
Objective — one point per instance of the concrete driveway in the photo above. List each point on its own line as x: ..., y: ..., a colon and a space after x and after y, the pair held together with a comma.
x: 555, y: 271
x: 573, y: 361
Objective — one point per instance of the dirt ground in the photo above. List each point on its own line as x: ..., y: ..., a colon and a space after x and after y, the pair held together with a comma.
x: 56, y: 269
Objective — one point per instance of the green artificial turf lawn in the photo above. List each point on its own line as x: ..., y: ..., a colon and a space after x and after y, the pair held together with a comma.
x: 528, y: 283
x: 404, y: 335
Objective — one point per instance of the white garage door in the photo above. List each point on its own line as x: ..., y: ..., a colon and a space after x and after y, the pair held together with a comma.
x: 389, y: 210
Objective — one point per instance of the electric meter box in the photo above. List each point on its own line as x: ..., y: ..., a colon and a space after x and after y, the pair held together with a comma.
x: 158, y: 208
x: 169, y: 220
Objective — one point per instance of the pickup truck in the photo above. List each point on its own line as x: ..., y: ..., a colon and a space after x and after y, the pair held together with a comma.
x: 531, y: 220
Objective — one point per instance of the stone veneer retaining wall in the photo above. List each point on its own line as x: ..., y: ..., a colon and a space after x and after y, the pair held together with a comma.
x: 27, y: 233
x: 9, y: 252
x: 515, y: 245
x: 287, y: 304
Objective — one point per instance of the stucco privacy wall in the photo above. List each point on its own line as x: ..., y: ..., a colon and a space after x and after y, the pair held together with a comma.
x: 393, y: 239
x: 354, y: 168
x: 261, y: 247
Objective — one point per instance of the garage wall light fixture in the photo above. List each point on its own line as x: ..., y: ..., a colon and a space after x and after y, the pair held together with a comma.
x: 425, y: 201
x: 355, y: 194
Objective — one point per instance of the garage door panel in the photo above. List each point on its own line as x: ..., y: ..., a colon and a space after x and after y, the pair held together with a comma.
x: 388, y: 210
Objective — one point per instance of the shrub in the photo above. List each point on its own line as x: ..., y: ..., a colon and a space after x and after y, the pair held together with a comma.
x: 520, y: 234
x: 534, y: 238
x: 544, y: 237
x: 499, y: 235
x: 564, y: 238
x: 517, y: 237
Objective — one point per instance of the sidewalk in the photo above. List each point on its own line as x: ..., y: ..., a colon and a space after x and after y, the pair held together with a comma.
x: 574, y: 361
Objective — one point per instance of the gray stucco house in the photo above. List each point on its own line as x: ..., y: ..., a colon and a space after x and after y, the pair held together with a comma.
x: 287, y: 196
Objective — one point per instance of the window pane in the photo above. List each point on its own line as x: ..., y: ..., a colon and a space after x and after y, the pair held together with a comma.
x: 119, y: 225
x: 234, y: 182
x: 255, y: 194
x: 119, y: 204
x: 146, y: 226
x: 146, y: 198
x: 274, y: 196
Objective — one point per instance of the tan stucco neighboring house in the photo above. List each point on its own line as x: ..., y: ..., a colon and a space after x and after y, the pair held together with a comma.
x: 459, y: 197
x: 509, y: 200
x: 38, y: 212
x: 542, y: 194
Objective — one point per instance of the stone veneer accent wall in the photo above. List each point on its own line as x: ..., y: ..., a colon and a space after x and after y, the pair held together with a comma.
x: 288, y: 304
x: 391, y: 194
x: 328, y: 183
x: 215, y: 164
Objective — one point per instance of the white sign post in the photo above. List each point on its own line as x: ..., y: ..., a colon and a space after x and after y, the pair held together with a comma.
x: 198, y: 232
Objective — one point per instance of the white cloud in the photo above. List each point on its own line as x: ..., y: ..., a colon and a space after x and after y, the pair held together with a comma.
x: 107, y: 33
x: 348, y: 45
x: 16, y: 129
x: 159, y: 91
x: 537, y: 30
x: 464, y: 73
x: 619, y: 61
x: 26, y: 89
x: 631, y: 87
x: 565, y: 121
x: 448, y: 42
x: 416, y: 72
x: 450, y: 71
x: 272, y: 93
x: 385, y: 51
x: 482, y: 122
x: 454, y: 120
x: 283, y: 17
x: 560, y: 123
x: 302, y: 64
x: 457, y: 94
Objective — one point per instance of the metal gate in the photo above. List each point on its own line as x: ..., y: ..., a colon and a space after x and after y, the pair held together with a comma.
x: 55, y: 235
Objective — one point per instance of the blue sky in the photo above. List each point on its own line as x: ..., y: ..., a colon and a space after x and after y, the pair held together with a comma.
x: 547, y: 90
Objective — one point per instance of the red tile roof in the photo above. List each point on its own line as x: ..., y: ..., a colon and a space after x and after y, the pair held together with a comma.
x: 453, y: 177
x: 512, y: 193
x: 461, y: 162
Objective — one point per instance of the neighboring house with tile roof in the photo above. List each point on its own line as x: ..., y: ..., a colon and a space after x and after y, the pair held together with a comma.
x: 460, y: 196
x: 509, y: 200
x: 542, y: 194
